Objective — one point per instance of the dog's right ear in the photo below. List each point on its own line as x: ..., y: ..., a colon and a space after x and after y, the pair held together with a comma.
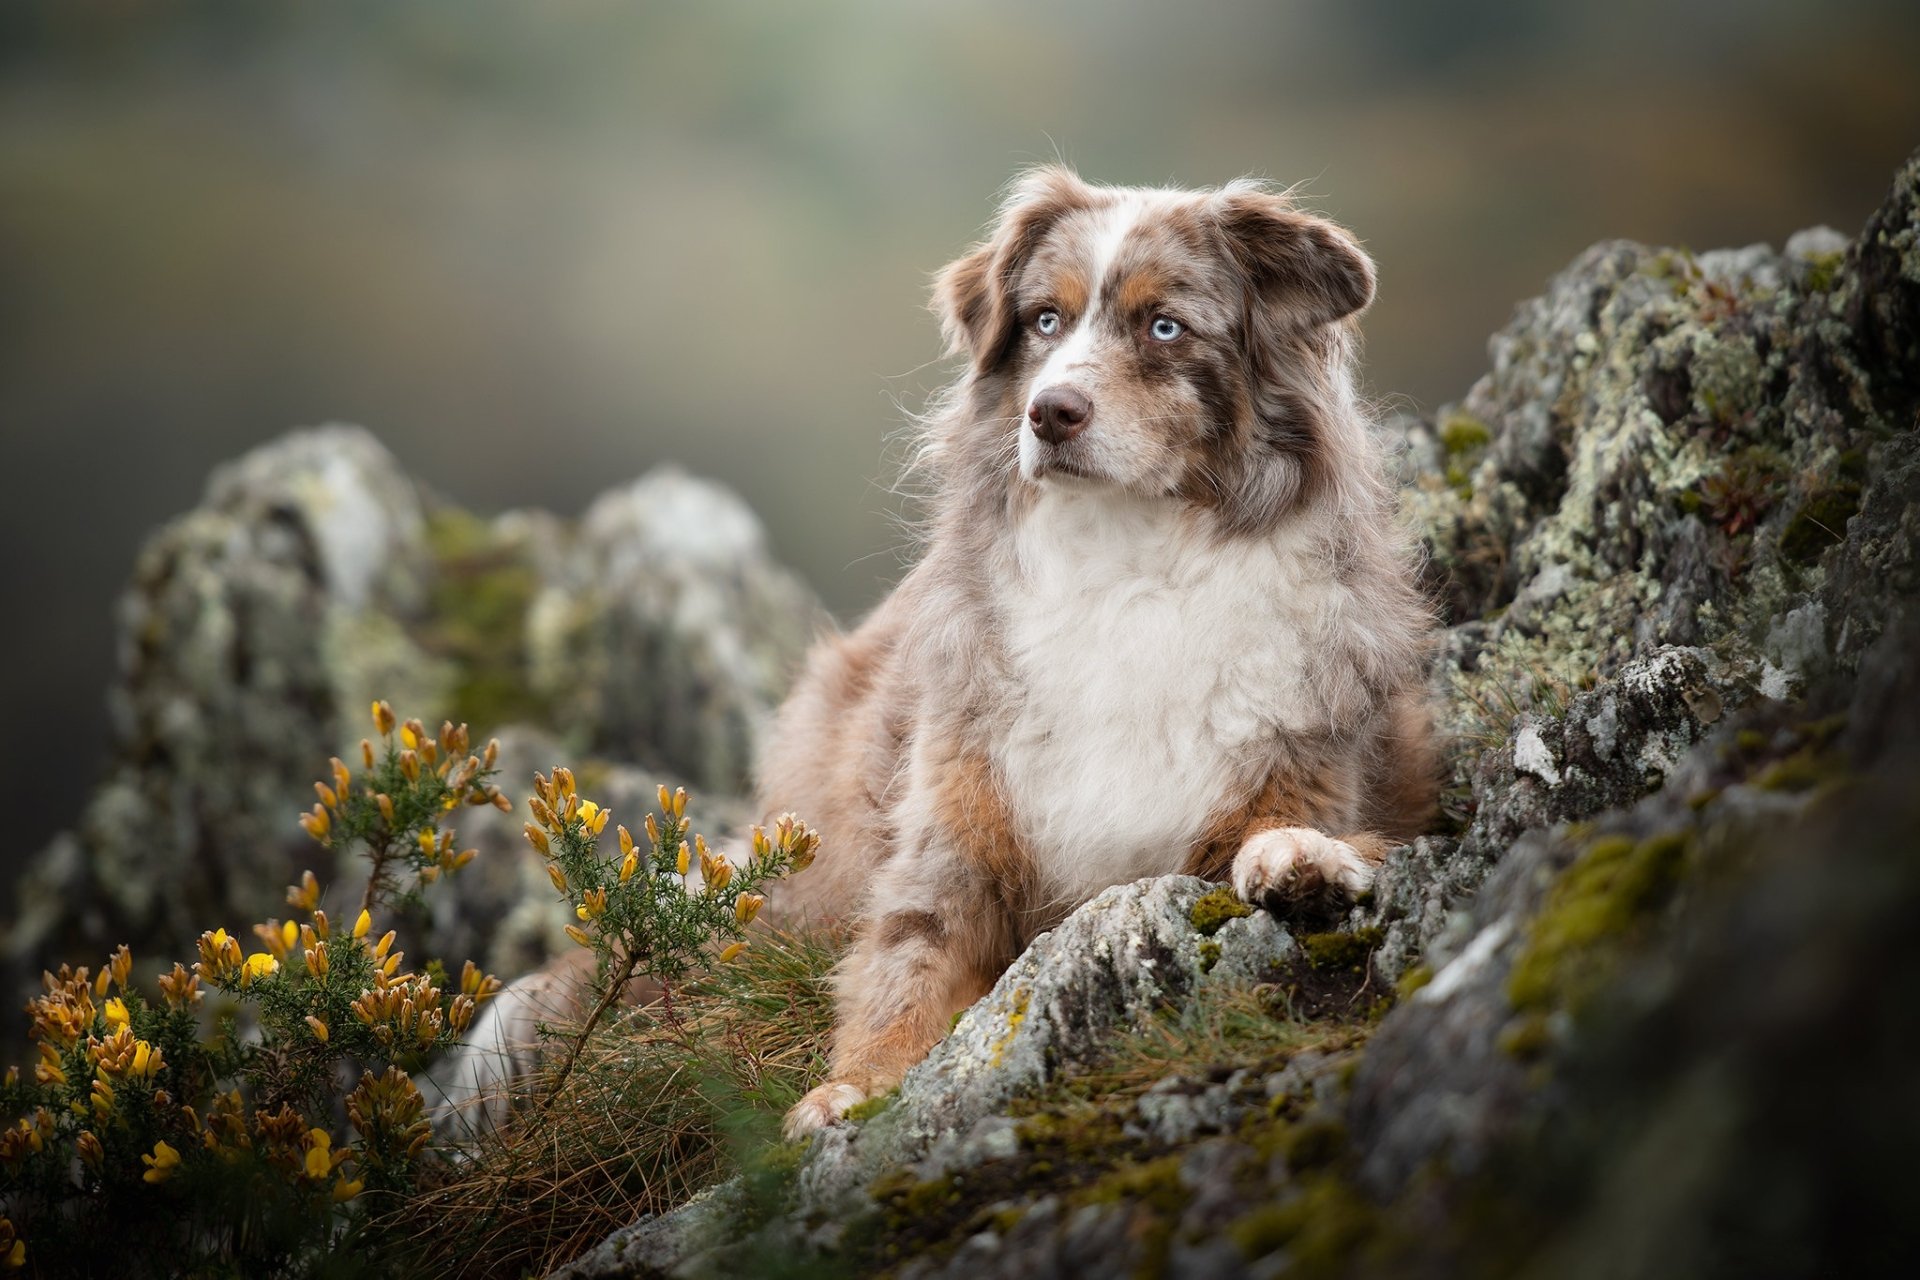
x: 974, y: 296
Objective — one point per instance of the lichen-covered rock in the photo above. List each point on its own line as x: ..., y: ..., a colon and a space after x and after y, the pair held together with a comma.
x: 313, y: 578
x: 668, y: 611
x: 1654, y: 1011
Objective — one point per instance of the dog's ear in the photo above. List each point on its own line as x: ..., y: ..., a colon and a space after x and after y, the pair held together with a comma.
x: 1305, y: 271
x: 974, y: 296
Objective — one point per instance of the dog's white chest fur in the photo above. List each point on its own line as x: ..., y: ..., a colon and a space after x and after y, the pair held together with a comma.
x: 1148, y: 659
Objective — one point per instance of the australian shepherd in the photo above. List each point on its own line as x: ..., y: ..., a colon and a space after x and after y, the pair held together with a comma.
x: 1165, y: 619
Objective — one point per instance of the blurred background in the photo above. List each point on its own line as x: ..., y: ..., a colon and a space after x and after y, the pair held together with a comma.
x: 538, y: 248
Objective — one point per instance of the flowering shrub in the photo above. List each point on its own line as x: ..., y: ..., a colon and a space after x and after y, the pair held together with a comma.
x: 644, y: 913
x: 139, y: 1134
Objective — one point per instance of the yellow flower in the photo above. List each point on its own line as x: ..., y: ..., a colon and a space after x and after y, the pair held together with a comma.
x: 147, y: 1060
x: 732, y: 951
x: 161, y: 1164
x: 538, y: 839
x: 579, y: 935
x: 589, y: 811
x: 681, y: 863
x: 363, y: 923
x: 346, y: 1189
x: 593, y: 904
x: 628, y: 865
x: 745, y: 907
x: 260, y: 964
x: 407, y: 737
x: 554, y: 874
x: 383, y: 719
x: 17, y: 1256
x: 318, y: 1027
x: 304, y: 896
x: 116, y: 1012
x: 319, y: 1159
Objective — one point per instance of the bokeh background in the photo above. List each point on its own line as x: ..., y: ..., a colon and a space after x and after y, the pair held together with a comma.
x: 539, y: 247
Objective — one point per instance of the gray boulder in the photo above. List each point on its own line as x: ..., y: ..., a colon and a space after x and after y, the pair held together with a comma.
x: 644, y: 643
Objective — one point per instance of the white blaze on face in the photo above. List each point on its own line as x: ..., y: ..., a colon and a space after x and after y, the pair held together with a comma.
x: 1072, y: 361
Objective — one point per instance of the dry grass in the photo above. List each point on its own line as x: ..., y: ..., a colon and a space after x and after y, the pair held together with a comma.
x: 659, y: 1106
x: 1218, y: 1031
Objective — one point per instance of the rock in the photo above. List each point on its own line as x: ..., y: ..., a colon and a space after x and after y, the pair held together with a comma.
x: 668, y: 611
x: 315, y: 577
x: 1654, y: 1012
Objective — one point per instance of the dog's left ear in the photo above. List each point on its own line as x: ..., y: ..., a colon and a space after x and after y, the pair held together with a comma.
x: 1305, y: 270
x: 974, y: 296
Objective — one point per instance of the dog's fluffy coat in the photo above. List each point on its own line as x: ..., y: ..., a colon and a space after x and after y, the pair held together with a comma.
x: 1165, y: 619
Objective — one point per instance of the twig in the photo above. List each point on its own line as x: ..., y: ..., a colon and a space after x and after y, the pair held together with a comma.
x: 614, y: 988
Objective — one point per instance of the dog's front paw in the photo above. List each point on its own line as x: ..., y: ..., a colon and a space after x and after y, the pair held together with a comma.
x: 825, y: 1105
x: 1290, y: 863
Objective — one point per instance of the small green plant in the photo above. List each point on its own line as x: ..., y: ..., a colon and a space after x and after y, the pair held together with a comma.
x: 643, y: 912
x: 226, y: 1153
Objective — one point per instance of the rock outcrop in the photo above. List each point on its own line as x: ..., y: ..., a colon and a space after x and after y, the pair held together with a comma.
x: 1653, y: 1010
x: 651, y: 635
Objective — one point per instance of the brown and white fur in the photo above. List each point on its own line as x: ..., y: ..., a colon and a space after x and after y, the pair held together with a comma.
x: 1164, y: 621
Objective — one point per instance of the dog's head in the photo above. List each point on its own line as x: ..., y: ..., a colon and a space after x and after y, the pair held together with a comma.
x: 1191, y: 345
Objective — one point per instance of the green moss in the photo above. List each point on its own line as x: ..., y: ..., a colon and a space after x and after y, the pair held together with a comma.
x: 1525, y: 1037
x: 1340, y: 949
x: 1412, y: 980
x: 1209, y: 955
x: 1804, y: 770
x: 1823, y: 269
x: 1155, y: 1195
x: 1463, y: 433
x: 1312, y: 1144
x: 1821, y: 522
x: 1602, y: 896
x: 477, y: 615
x: 1322, y: 1229
x: 1215, y: 908
x: 1006, y: 1220
x: 860, y: 1112
x: 1155, y: 1182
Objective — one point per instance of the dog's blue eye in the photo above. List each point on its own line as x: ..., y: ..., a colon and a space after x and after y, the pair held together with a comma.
x: 1165, y: 329
x: 1048, y: 323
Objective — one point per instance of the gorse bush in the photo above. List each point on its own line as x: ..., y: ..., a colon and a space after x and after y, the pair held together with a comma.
x: 643, y: 913
x: 277, y: 1130
x: 257, y: 1148
x: 633, y: 1113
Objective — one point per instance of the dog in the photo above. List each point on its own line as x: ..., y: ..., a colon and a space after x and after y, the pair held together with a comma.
x: 1165, y: 619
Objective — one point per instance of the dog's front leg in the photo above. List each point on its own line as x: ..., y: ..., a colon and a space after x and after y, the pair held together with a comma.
x: 932, y: 944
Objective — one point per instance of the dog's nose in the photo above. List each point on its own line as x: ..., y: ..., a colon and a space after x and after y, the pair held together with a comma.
x: 1059, y: 414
